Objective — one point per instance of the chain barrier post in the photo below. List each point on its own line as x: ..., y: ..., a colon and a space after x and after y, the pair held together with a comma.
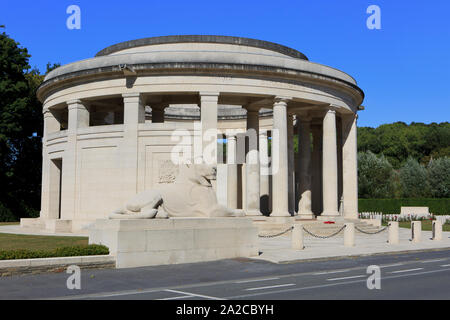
x: 349, y: 234
x: 297, y: 237
x: 437, y: 230
x: 416, y: 231
x: 393, y: 232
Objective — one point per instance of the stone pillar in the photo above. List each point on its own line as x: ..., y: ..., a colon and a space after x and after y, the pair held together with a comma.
x: 304, y: 139
x: 232, y: 173
x: 158, y: 113
x: 416, y: 231
x: 330, y: 165
x: 297, y: 237
x: 291, y: 168
x: 264, y: 180
x: 349, y: 234
x: 78, y: 118
x: 280, y: 185
x: 436, y: 230
x: 393, y: 232
x: 350, y: 167
x: 134, y: 113
x: 48, y: 201
x: 252, y: 182
x: 208, y: 115
x: 316, y: 182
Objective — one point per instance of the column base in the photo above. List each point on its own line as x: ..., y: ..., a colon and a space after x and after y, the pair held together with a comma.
x: 329, y: 215
x: 306, y: 215
x: 253, y: 213
x: 281, y: 214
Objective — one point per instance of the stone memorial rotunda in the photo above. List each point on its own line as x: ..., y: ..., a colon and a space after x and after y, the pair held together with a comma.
x: 113, y: 122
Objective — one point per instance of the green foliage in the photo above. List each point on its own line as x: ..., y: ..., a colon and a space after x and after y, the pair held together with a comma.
x: 414, y: 180
x: 398, y: 141
x: 20, y: 132
x: 439, y: 177
x: 89, y: 250
x: 392, y: 206
x: 375, y: 176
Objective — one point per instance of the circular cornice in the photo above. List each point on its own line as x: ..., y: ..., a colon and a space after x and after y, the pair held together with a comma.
x: 203, y: 39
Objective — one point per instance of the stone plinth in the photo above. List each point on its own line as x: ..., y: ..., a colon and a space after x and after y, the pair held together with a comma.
x: 139, y: 243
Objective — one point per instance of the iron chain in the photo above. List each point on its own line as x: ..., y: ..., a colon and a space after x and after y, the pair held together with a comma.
x: 276, y: 235
x: 323, y: 237
x: 366, y: 232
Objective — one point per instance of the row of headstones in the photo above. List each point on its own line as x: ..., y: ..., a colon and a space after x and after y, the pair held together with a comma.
x: 395, y: 217
x: 393, y: 230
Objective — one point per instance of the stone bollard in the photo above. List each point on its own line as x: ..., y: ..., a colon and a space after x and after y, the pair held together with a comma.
x: 416, y: 231
x: 437, y: 230
x: 349, y: 234
x: 393, y: 232
x: 297, y: 237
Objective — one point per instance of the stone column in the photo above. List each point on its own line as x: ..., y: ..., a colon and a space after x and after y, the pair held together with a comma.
x: 158, y: 113
x: 78, y: 118
x: 232, y: 173
x: 304, y: 148
x: 316, y: 182
x: 330, y: 165
x: 350, y: 167
x: 48, y: 200
x: 208, y: 115
x: 291, y: 168
x: 252, y: 182
x: 264, y: 180
x: 280, y: 185
x: 134, y: 113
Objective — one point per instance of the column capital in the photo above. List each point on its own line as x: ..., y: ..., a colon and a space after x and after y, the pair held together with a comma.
x: 281, y: 99
x: 73, y: 101
x: 210, y: 96
x: 132, y: 97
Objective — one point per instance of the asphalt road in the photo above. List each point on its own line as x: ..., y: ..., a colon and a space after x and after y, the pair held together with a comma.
x: 422, y: 275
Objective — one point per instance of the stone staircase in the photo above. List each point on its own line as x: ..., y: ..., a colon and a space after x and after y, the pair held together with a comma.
x: 274, y: 225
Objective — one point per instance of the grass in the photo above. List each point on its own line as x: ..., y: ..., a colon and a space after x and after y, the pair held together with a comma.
x: 47, y: 243
x: 9, y: 223
x: 426, y: 225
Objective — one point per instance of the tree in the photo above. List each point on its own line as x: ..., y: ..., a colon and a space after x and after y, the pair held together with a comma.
x: 20, y: 133
x: 375, y: 176
x: 439, y: 177
x: 414, y: 179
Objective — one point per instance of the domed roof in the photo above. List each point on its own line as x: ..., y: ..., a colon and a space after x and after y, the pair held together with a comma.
x: 247, y: 42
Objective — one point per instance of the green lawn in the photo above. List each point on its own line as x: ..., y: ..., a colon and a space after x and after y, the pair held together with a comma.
x: 18, y: 241
x: 426, y: 225
x: 8, y: 223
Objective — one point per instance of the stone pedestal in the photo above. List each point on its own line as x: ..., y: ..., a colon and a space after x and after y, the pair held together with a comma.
x: 139, y: 243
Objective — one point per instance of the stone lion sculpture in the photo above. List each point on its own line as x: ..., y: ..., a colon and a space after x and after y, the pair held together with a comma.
x: 191, y: 195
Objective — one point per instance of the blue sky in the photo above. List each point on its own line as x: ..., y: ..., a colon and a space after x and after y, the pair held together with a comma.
x: 403, y: 68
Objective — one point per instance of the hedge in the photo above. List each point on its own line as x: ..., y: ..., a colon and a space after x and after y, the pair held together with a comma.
x: 392, y: 206
x: 86, y: 250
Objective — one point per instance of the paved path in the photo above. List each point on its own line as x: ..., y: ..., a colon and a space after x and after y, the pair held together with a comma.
x: 424, y: 275
x: 16, y: 229
x: 278, y: 250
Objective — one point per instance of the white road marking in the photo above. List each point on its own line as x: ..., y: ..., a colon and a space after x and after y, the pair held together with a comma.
x: 392, y: 265
x: 176, y: 298
x: 407, y: 270
x: 445, y: 265
x: 435, y: 260
x: 256, y: 280
x: 269, y: 287
x: 330, y: 272
x: 345, y: 278
x: 193, y: 294
x: 328, y: 285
